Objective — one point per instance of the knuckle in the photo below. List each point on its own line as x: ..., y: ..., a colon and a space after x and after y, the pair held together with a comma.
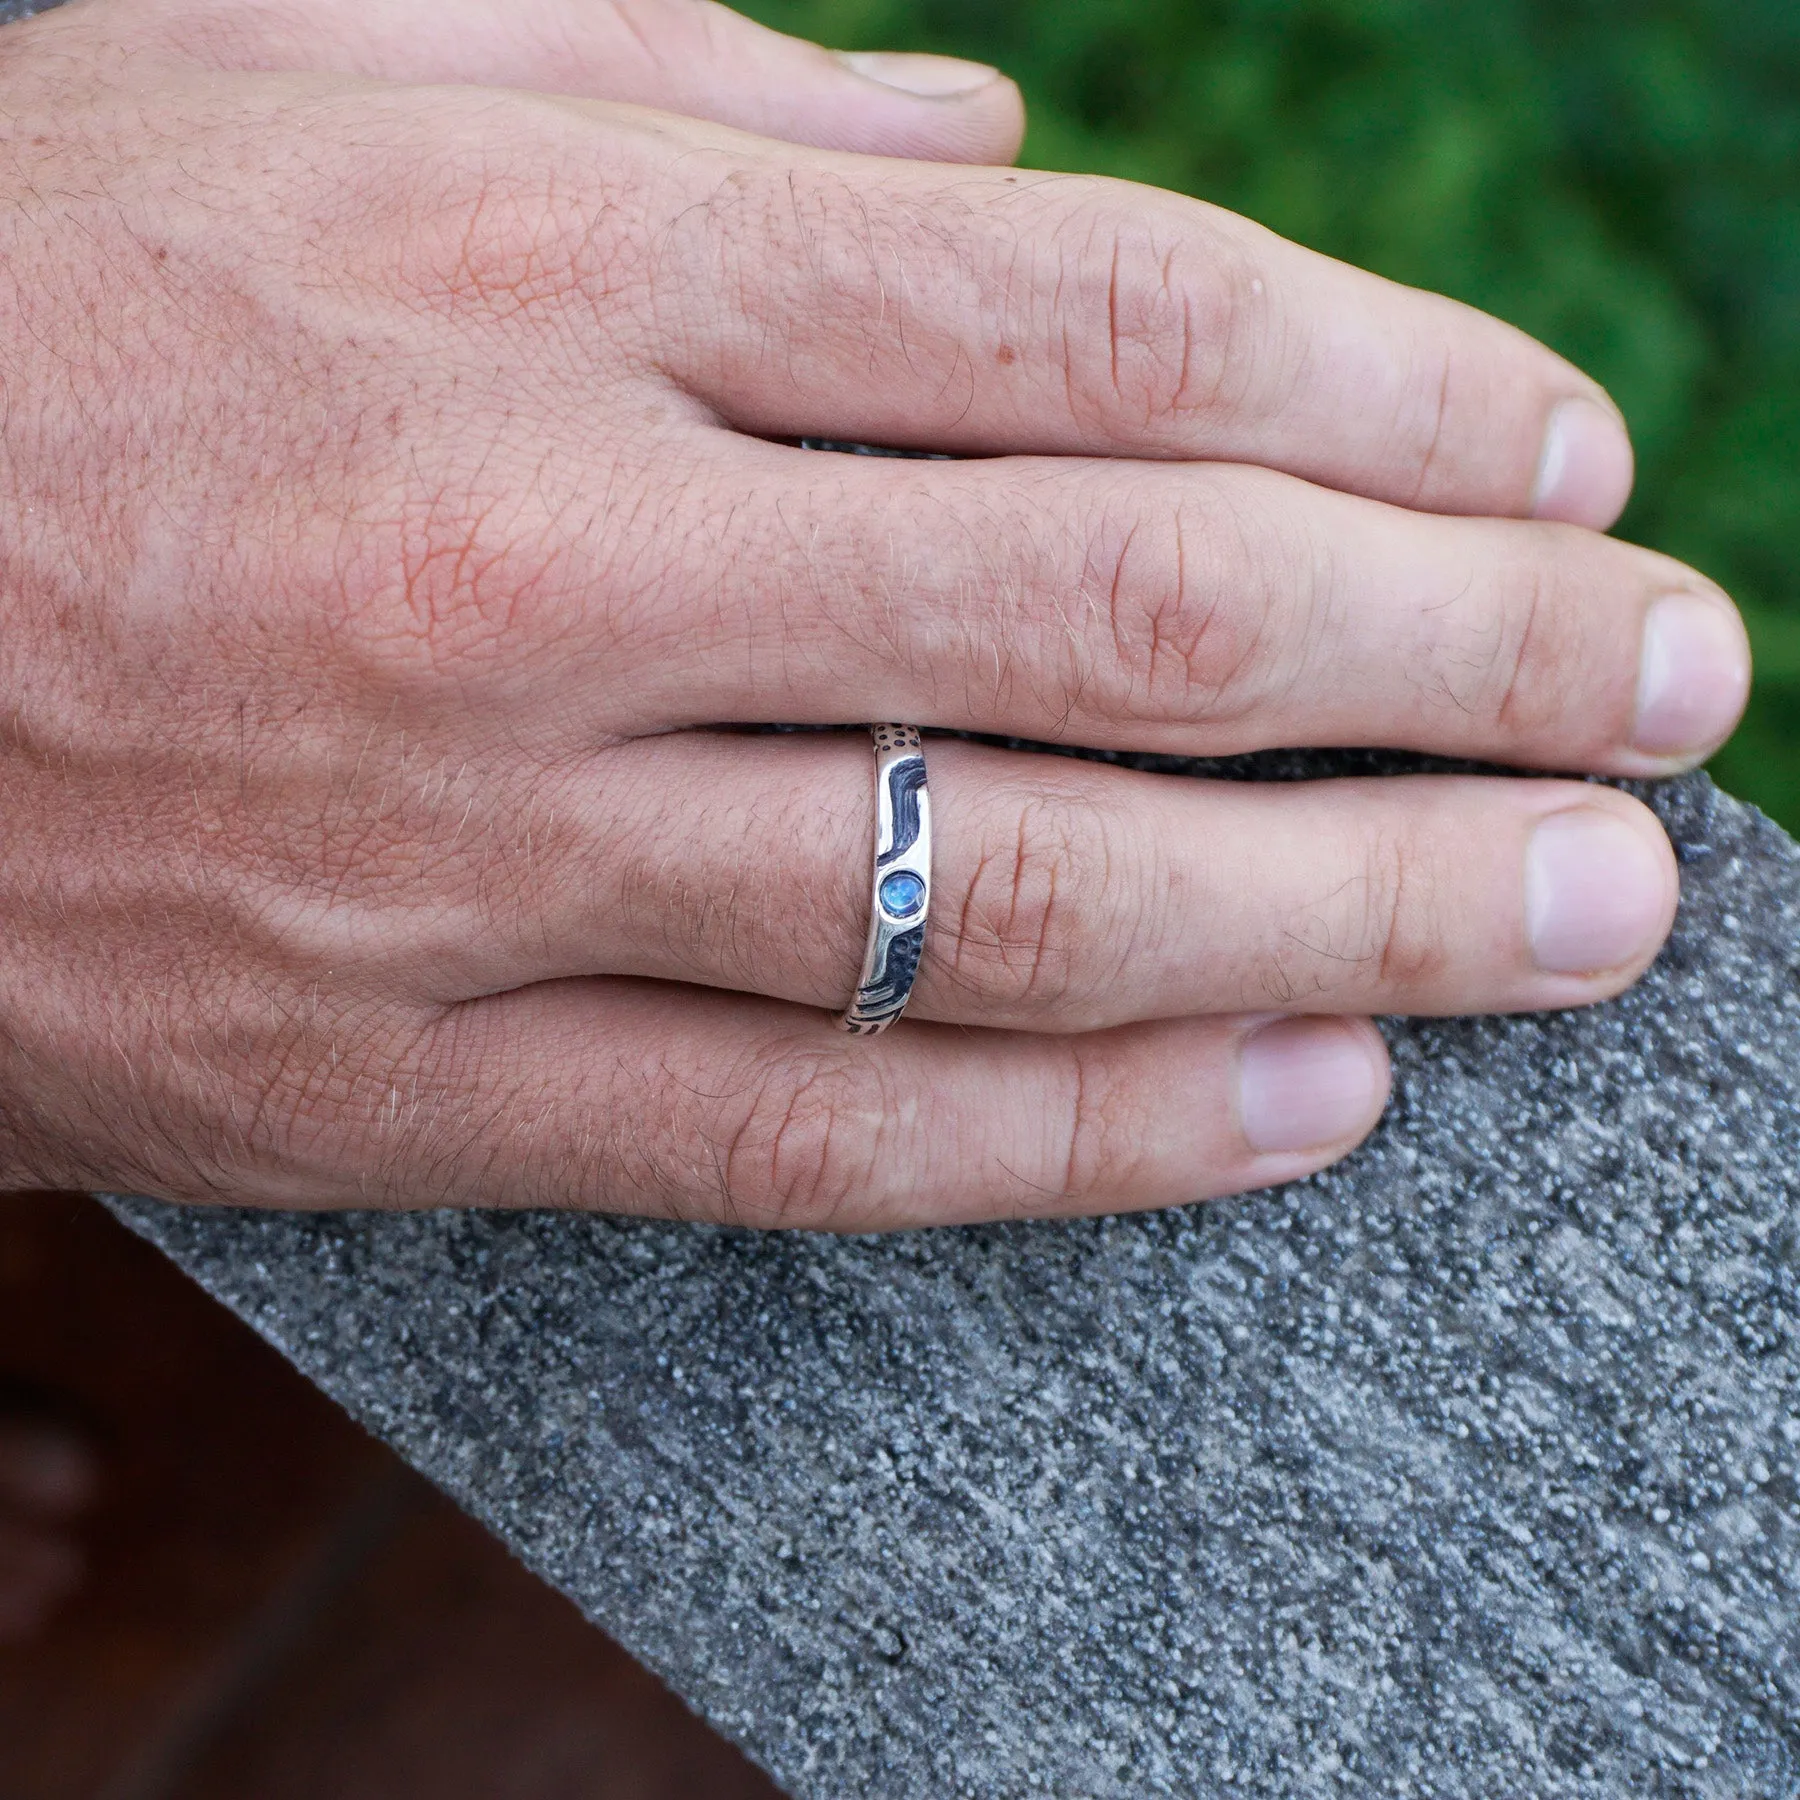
x: 1529, y: 667
x: 807, y: 1150
x: 1392, y: 929
x: 1429, y: 404
x: 1102, y: 1141
x: 1400, y: 917
x: 1500, y: 653
x: 503, y: 225
x: 517, y: 248
x: 499, y: 558
x: 449, y: 582
x: 1207, y: 606
x: 1379, y: 929
x: 1023, y: 940
x: 1162, y: 318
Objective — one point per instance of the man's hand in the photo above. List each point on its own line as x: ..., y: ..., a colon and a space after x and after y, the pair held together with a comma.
x: 399, y: 484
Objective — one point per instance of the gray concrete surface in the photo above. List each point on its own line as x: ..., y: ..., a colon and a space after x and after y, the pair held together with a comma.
x: 1468, y: 1469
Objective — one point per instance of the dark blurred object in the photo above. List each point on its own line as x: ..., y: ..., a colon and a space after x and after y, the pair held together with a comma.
x: 49, y: 1477
x: 274, y: 1605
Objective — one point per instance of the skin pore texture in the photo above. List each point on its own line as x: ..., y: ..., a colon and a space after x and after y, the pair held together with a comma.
x: 399, y: 455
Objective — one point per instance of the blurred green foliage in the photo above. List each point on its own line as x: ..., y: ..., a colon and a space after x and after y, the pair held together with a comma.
x: 1619, y: 177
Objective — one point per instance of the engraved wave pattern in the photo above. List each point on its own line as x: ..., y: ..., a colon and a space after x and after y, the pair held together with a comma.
x: 894, y: 979
x: 906, y: 781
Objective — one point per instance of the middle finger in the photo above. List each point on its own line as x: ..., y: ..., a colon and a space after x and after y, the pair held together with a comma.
x: 1199, y: 609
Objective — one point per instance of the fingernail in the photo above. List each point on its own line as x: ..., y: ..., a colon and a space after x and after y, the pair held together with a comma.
x: 1585, y: 473
x: 1596, y: 893
x: 1305, y: 1084
x: 1693, y: 677
x: 927, y: 77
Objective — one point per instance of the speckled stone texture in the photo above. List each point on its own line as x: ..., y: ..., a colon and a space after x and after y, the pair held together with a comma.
x: 1467, y: 1469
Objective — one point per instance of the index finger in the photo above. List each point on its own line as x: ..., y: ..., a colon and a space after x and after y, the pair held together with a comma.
x: 991, y: 311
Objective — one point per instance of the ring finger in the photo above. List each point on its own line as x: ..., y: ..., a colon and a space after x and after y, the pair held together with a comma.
x: 1071, y: 896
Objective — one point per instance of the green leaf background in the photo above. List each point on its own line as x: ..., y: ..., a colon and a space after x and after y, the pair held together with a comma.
x: 1622, y: 180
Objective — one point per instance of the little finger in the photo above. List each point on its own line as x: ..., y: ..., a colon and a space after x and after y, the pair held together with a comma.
x: 637, y: 1097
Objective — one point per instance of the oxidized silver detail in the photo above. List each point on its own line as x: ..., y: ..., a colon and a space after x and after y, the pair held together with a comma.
x: 902, y: 882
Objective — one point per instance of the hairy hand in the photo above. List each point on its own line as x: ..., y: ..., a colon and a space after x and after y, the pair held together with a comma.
x: 396, y: 494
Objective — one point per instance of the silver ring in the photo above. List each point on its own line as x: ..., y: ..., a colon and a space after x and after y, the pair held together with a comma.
x: 902, y: 882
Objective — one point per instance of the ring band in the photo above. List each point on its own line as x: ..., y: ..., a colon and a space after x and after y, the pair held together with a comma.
x: 902, y: 894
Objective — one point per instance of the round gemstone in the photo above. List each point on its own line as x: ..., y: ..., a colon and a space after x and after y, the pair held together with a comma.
x: 902, y: 894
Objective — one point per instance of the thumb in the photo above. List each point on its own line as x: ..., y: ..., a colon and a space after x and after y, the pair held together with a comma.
x: 936, y: 108
x: 684, y: 56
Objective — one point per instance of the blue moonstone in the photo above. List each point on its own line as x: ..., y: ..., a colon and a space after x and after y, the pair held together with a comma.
x: 902, y: 894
